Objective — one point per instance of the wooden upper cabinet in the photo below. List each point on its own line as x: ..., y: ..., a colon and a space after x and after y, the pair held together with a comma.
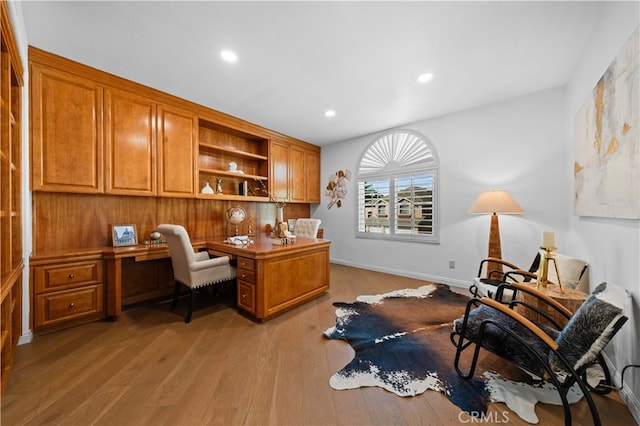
x: 279, y: 179
x: 130, y: 143
x: 297, y: 175
x: 312, y: 173
x: 93, y: 132
x: 295, y: 171
x: 66, y: 132
x: 177, y: 152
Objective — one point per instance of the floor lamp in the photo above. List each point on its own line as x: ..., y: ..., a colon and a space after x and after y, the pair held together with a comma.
x: 495, y: 202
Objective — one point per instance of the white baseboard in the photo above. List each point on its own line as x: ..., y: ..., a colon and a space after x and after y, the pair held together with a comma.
x: 458, y: 286
x: 25, y: 338
x: 631, y: 400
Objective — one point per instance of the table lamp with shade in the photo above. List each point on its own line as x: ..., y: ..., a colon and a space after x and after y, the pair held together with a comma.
x: 495, y: 202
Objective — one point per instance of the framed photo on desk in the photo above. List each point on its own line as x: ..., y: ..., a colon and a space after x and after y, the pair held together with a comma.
x: 124, y: 235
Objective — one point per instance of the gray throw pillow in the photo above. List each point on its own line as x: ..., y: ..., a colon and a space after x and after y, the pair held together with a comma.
x: 591, y: 327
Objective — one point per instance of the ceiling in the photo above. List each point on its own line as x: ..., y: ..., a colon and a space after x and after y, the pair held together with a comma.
x: 298, y: 59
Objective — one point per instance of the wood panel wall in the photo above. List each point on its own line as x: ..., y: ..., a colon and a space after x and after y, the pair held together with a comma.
x: 67, y: 221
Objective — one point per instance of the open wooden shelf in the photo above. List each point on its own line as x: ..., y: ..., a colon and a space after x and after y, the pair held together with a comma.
x: 240, y: 176
x: 232, y: 151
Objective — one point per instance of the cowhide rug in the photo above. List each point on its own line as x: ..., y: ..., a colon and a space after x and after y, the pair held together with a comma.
x: 401, y: 343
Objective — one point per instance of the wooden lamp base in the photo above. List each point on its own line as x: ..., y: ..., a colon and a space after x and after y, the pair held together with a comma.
x: 495, y: 249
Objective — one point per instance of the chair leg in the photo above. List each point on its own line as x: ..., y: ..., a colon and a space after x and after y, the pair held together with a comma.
x: 191, y: 303
x: 176, y: 295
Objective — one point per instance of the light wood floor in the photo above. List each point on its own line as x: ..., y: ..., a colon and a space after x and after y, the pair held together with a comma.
x: 149, y: 368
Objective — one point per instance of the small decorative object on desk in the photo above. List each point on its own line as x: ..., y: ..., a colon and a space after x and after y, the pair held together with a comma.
x: 281, y: 230
x: 124, y: 235
x: 154, y: 242
x: 207, y: 189
x: 282, y: 241
x: 240, y: 240
x: 235, y: 216
x: 155, y: 235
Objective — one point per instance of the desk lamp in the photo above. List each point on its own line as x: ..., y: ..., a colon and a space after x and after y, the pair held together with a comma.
x: 495, y: 202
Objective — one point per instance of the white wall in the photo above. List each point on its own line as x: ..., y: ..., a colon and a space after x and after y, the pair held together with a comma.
x: 612, y: 246
x: 515, y: 145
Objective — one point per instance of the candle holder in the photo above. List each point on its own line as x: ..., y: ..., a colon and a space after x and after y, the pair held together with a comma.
x: 543, y: 269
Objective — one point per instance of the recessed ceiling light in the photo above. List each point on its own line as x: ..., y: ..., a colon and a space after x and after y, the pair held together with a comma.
x: 229, y: 56
x: 329, y: 113
x: 423, y: 78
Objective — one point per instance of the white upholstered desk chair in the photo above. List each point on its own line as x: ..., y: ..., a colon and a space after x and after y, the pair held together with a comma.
x: 307, y: 228
x: 194, y: 270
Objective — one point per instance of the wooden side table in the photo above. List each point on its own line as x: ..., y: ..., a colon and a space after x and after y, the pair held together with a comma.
x: 570, y: 298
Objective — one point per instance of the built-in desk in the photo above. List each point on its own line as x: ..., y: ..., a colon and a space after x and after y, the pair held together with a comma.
x: 71, y: 286
x: 114, y: 256
x: 274, y: 278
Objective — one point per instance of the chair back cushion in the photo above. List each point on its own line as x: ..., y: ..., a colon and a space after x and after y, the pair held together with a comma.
x: 592, y: 326
x: 182, y: 254
x: 307, y: 228
x: 573, y: 272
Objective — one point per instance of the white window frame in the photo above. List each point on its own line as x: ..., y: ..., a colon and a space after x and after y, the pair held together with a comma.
x: 378, y: 163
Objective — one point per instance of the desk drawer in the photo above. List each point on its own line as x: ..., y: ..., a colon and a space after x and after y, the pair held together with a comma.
x: 67, y: 275
x: 247, y: 276
x: 61, y: 306
x: 246, y: 296
x: 246, y: 263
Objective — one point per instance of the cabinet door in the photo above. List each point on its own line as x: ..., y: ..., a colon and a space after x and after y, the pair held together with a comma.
x: 177, y: 153
x: 279, y: 179
x: 297, y: 175
x: 66, y: 132
x: 129, y: 143
x: 312, y: 174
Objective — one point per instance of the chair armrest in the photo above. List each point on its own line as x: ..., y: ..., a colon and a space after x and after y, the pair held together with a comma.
x: 209, y: 263
x: 526, y: 275
x: 522, y: 320
x: 201, y: 255
x: 495, y: 260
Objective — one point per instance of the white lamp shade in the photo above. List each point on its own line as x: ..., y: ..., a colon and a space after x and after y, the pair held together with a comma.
x: 495, y: 201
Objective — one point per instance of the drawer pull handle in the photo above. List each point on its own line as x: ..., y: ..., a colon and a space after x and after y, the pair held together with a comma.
x: 244, y: 276
x: 71, y: 276
x: 72, y: 304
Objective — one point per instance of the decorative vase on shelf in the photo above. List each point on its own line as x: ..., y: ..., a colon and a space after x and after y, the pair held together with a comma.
x: 207, y: 189
x: 280, y: 215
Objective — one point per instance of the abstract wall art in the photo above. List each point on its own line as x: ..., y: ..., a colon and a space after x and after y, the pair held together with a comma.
x: 607, y: 140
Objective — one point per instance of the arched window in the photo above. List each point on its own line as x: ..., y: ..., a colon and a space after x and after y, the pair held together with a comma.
x: 397, y: 188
